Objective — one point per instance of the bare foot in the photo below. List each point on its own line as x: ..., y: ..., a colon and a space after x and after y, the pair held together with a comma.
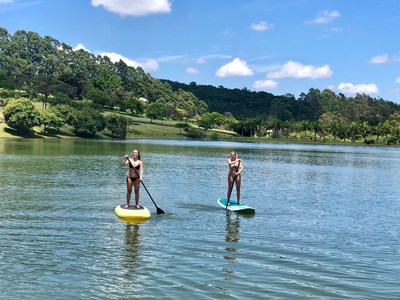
x: 138, y: 206
x: 126, y: 206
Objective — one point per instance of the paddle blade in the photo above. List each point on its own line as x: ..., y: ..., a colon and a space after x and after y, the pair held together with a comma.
x: 160, y: 211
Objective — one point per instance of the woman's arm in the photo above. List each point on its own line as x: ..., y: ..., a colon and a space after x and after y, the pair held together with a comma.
x: 141, y: 170
x: 233, y: 162
x: 240, y: 167
x: 125, y: 161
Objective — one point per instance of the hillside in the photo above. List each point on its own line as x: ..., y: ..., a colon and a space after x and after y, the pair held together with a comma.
x: 78, y: 86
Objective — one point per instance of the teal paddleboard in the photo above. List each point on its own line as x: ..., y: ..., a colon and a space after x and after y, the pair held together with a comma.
x: 234, y: 206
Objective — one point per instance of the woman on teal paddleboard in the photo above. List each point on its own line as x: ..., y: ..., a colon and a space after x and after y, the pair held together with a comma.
x: 134, y: 177
x: 235, y: 169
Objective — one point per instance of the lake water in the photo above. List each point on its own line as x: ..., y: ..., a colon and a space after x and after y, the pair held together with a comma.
x: 327, y: 222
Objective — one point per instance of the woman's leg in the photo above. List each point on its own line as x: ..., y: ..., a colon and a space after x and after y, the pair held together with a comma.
x: 238, y: 181
x: 129, y: 184
x: 230, y: 186
x: 136, y: 183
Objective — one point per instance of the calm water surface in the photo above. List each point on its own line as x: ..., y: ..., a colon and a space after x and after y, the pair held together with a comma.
x: 326, y: 226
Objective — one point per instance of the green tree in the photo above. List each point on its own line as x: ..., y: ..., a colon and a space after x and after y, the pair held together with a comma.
x: 65, y: 112
x: 51, y: 120
x: 87, y: 122
x: 331, y: 122
x: 275, y: 124
x: 210, y: 120
x: 180, y: 114
x: 46, y: 80
x: 382, y: 129
x: 105, y: 78
x: 183, y: 125
x: 394, y: 121
x: 354, y: 129
x: 118, y: 125
x: 134, y: 105
x: 99, y: 97
x: 6, y: 81
x: 312, y: 104
x: 155, y: 111
x: 315, y: 126
x: 247, y: 127
x: 21, y: 115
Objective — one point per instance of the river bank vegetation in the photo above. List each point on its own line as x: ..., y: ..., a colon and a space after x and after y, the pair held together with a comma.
x: 48, y: 89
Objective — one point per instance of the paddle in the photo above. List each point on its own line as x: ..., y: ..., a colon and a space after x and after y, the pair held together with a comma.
x: 230, y: 191
x: 159, y: 210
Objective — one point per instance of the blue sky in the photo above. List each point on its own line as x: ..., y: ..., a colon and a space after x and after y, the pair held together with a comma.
x: 278, y: 46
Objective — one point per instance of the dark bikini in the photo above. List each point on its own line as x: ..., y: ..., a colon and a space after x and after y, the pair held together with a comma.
x: 131, y: 167
x: 236, y: 169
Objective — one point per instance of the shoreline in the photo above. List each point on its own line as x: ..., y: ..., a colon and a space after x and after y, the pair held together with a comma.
x: 238, y: 140
x: 66, y: 133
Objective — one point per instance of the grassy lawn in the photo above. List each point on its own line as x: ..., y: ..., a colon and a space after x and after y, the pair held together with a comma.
x: 139, y: 127
x: 142, y: 127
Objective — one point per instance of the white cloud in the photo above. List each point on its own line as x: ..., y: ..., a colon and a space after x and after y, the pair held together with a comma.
x: 265, y: 84
x: 350, y: 88
x: 237, y: 67
x: 135, y: 7
x: 79, y: 47
x: 380, y: 59
x: 203, y: 59
x: 261, y: 26
x: 326, y: 16
x: 192, y: 71
x: 297, y: 70
x: 398, y: 79
x: 147, y: 65
x: 169, y: 58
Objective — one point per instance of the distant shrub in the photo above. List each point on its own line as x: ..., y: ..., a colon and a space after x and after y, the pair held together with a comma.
x: 214, y: 136
x: 87, y: 122
x: 195, y: 134
x: 21, y: 115
x: 118, y: 125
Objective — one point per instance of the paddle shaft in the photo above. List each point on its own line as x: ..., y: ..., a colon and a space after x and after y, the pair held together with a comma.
x: 230, y: 191
x: 159, y: 210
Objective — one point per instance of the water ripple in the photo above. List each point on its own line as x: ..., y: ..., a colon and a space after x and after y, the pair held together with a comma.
x: 326, y: 225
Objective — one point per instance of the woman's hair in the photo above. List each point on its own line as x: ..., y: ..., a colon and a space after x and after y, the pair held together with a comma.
x: 137, y: 152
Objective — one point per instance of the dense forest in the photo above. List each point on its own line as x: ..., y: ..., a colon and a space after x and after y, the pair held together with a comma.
x: 243, y: 103
x: 76, y: 87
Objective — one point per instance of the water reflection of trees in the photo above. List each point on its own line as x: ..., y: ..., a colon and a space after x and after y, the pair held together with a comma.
x: 132, y: 245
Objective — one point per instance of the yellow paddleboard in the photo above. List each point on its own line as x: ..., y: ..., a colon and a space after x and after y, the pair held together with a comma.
x: 132, y: 213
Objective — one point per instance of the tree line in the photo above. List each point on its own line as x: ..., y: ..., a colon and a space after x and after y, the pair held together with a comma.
x: 323, y: 114
x: 76, y: 87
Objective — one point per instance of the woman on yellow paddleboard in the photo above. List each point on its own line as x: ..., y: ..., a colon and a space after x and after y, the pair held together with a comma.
x: 134, y: 177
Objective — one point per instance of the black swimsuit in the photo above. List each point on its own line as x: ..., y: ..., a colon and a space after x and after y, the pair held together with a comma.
x: 131, y: 167
x: 236, y: 169
x: 132, y: 178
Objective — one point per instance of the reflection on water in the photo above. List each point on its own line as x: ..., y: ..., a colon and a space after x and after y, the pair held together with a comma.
x: 232, y: 228
x: 232, y: 236
x: 132, y: 246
